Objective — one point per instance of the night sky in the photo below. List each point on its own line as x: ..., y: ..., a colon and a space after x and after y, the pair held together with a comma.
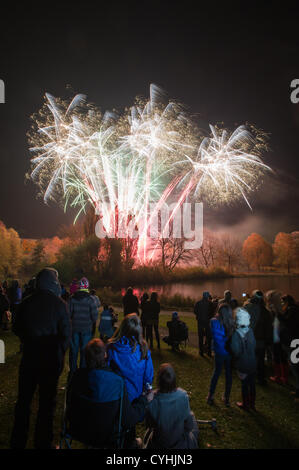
x: 227, y: 64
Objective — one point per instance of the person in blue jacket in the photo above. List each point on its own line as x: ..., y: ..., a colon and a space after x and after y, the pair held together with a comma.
x: 221, y: 328
x: 128, y: 355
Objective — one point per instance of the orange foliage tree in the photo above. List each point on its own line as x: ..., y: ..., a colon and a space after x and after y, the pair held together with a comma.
x: 284, y: 250
x: 257, y: 252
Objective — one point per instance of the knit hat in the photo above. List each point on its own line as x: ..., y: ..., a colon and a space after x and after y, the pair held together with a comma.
x: 83, y: 284
x: 242, y: 317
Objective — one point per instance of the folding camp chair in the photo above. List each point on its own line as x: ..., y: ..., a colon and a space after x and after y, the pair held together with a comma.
x: 82, y: 423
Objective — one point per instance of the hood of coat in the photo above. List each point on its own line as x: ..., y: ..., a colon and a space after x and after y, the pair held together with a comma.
x: 80, y: 294
x: 242, y: 321
x: 123, y: 346
x: 47, y: 279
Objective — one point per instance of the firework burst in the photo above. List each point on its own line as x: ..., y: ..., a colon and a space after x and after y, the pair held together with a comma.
x: 152, y: 153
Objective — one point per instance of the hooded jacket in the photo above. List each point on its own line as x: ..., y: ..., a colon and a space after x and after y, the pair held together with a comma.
x: 243, y: 348
x: 43, y: 324
x: 127, y: 362
x: 83, y: 312
x: 219, y: 337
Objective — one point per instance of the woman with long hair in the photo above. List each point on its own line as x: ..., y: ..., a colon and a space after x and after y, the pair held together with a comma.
x: 153, y: 320
x: 222, y: 327
x: 128, y: 354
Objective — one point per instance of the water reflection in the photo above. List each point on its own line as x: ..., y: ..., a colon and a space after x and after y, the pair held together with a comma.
x: 284, y: 284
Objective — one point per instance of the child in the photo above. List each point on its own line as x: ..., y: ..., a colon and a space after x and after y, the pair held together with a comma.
x: 106, y: 326
x: 243, y: 348
x: 171, y: 423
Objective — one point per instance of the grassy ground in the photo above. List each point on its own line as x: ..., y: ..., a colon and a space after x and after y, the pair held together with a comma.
x: 274, y: 426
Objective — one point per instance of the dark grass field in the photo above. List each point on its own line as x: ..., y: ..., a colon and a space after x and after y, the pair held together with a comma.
x: 274, y: 426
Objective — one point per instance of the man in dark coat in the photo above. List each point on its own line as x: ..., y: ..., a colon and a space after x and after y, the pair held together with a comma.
x: 203, y: 310
x: 130, y: 302
x: 43, y: 326
x: 261, y: 324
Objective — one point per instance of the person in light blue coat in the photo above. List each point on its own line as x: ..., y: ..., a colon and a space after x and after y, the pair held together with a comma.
x: 221, y: 328
x: 129, y: 356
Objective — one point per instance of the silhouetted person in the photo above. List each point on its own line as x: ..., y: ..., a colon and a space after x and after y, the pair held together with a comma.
x: 261, y: 324
x: 130, y: 302
x: 178, y: 332
x: 43, y: 326
x: 144, y: 305
x: 203, y: 310
x: 228, y: 299
x: 152, y: 321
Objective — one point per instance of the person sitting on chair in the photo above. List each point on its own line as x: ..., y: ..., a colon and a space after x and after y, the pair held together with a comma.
x: 170, y: 422
x: 178, y: 332
x: 98, y: 409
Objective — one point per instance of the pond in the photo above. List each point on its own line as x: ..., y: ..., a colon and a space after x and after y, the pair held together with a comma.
x: 237, y: 285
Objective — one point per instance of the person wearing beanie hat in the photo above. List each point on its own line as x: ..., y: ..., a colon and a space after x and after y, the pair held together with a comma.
x: 203, y: 310
x: 84, y: 314
x: 83, y: 284
x: 243, y: 346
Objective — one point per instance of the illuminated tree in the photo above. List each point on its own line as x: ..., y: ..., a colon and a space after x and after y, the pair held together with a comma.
x: 284, y: 250
x: 11, y: 252
x: 257, y: 252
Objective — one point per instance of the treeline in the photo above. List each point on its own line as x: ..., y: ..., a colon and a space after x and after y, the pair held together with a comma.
x: 76, y: 251
x: 254, y: 254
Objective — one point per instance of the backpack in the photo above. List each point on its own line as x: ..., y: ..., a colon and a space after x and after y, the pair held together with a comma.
x: 182, y: 331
